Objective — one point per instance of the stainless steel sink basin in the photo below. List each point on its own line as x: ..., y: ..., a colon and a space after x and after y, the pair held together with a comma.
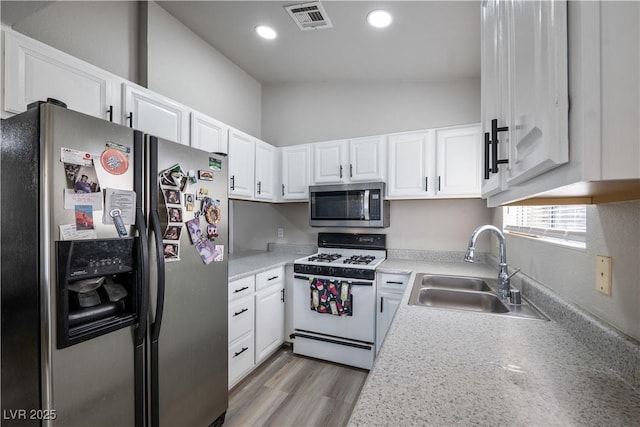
x: 455, y: 282
x: 472, y: 294
x: 461, y: 300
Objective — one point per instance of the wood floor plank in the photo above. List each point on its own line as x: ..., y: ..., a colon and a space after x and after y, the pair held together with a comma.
x: 292, y: 390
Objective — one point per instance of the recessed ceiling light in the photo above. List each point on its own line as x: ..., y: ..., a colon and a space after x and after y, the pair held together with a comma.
x: 379, y: 18
x: 266, y: 32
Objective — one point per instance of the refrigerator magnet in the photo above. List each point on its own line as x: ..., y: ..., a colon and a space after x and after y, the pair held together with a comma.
x: 192, y: 176
x: 195, y: 233
x: 202, y: 193
x: 205, y: 175
x: 171, y: 251
x: 174, y: 214
x: 171, y: 196
x: 219, y: 253
x: 76, y: 157
x: 215, y: 164
x: 188, y: 202
x: 206, y: 251
x: 172, y: 232
x: 84, y: 217
x: 212, y: 232
x: 114, y: 161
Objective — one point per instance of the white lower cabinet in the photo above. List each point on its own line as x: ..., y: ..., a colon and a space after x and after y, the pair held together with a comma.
x: 390, y: 288
x: 256, y: 321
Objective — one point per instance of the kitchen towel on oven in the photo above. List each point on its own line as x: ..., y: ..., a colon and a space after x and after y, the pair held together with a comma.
x: 331, y: 296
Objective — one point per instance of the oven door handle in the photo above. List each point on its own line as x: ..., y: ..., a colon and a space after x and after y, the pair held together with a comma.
x: 366, y: 204
x: 297, y: 276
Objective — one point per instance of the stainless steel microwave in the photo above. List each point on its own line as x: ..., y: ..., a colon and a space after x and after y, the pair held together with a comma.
x: 348, y: 205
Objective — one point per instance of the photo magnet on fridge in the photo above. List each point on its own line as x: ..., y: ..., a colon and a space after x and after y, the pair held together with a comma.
x: 171, y: 196
x: 172, y: 232
x: 174, y: 214
x: 206, y: 251
x: 219, y: 253
x: 84, y: 217
x: 189, y: 201
x: 171, y: 251
x: 86, y: 180
x: 195, y: 233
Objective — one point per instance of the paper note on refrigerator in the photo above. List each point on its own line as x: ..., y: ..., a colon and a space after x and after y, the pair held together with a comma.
x: 124, y: 200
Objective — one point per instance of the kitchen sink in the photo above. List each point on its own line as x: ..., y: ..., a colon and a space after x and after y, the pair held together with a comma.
x: 455, y: 282
x: 472, y: 294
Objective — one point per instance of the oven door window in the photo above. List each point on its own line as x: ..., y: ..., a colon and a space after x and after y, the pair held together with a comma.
x: 337, y: 205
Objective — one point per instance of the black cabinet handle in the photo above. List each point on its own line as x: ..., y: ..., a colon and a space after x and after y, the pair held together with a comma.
x: 394, y: 282
x: 238, y: 313
x: 259, y: 187
x: 438, y: 183
x: 272, y: 278
x: 340, y: 171
x: 110, y: 112
x: 130, y: 118
x: 350, y: 171
x: 494, y: 145
x: 240, y: 352
x: 233, y: 182
x: 487, y: 147
x: 282, y: 291
x: 240, y: 290
x: 282, y: 189
x: 426, y: 183
x: 381, y: 304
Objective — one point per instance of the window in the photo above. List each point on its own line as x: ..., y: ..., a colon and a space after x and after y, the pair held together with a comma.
x: 561, y: 224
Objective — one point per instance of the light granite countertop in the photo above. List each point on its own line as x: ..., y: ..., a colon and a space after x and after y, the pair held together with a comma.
x: 443, y: 367
x: 245, y: 264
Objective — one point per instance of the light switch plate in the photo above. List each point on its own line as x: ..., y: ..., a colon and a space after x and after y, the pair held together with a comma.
x: 280, y: 233
x: 603, y: 274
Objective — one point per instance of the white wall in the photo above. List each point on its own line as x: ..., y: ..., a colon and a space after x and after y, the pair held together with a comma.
x: 612, y: 230
x: 184, y: 67
x: 299, y: 113
x: 103, y: 33
x: 434, y: 225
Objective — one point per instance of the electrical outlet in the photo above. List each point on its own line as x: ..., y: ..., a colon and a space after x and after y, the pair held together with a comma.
x: 280, y: 233
x: 603, y: 274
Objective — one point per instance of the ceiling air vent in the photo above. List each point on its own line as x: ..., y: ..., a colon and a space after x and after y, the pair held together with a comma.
x: 309, y: 16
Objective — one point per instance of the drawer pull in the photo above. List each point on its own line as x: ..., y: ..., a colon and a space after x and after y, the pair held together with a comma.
x: 394, y: 282
x: 238, y: 313
x: 240, y: 290
x: 272, y: 278
x: 240, y: 352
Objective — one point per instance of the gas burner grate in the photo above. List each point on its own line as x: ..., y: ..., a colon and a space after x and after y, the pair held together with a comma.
x: 324, y: 257
x: 359, y: 259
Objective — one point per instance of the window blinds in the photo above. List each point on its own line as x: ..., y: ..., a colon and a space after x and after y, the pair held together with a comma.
x: 568, y: 223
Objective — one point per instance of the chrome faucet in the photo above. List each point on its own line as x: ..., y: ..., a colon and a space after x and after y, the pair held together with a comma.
x: 504, y: 288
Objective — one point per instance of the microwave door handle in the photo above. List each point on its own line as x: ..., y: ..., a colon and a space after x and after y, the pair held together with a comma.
x: 366, y: 204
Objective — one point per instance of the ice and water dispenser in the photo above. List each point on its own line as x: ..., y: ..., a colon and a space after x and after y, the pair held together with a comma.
x: 98, y: 287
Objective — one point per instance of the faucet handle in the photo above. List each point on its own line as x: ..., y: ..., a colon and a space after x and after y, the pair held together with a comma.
x: 514, y: 273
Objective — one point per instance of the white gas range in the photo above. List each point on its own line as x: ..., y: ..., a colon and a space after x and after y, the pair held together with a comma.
x: 334, y: 299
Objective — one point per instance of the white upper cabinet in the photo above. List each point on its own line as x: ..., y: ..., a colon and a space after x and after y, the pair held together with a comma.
x: 264, y: 171
x: 540, y: 122
x: 208, y: 134
x: 329, y: 159
x: 353, y: 160
x: 525, y: 101
x: 411, y: 172
x: 241, y: 164
x: 34, y: 71
x: 366, y: 159
x: 296, y: 164
x: 155, y: 114
x: 458, y: 154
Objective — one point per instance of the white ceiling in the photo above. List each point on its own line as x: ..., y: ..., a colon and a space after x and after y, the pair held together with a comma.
x: 427, y: 41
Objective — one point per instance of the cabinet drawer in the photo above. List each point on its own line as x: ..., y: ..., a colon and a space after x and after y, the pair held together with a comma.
x: 241, y: 287
x: 392, y: 281
x: 269, y: 278
x: 240, y: 359
x: 241, y: 317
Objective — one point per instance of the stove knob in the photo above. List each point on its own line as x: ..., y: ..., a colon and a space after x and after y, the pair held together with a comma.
x: 318, y: 269
x: 332, y: 271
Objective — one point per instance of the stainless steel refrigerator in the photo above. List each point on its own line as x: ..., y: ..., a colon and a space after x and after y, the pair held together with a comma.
x: 114, y: 275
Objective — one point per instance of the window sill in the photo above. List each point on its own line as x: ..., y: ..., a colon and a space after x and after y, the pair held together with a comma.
x: 570, y: 244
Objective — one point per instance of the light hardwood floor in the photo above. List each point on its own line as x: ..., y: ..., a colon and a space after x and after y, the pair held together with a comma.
x: 292, y: 390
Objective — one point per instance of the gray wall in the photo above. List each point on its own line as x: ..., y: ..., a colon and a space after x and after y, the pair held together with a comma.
x: 435, y: 225
x: 299, y: 113
x: 103, y: 33
x: 184, y: 67
x: 612, y: 230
